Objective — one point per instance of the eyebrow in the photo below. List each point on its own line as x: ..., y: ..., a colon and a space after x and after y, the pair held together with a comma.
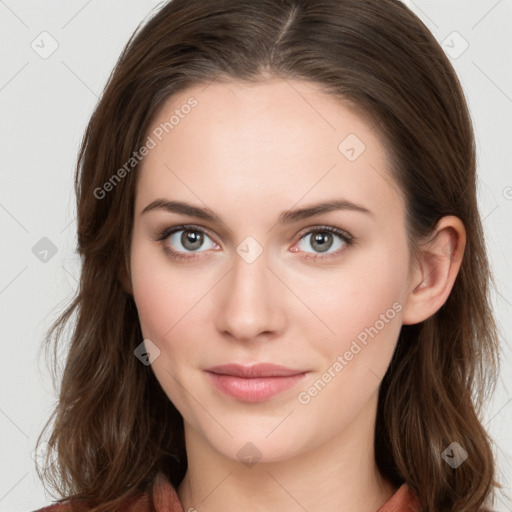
x: 287, y: 217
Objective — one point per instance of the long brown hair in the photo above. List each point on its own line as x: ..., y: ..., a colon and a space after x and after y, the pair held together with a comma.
x: 113, y: 426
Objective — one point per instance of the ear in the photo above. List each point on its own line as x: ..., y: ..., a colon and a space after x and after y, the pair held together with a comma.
x: 435, y: 270
x: 124, y: 277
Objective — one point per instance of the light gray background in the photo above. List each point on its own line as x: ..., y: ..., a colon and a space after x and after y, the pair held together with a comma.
x: 45, y: 105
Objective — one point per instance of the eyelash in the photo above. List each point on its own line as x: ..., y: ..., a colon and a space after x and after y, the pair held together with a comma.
x: 347, y: 239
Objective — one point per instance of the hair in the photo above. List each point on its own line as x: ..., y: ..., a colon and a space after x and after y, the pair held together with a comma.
x: 114, y: 428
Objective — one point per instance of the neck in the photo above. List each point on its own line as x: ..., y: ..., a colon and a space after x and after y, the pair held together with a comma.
x: 340, y: 475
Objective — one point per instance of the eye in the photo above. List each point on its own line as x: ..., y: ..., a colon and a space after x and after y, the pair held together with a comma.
x: 181, y: 242
x: 322, y: 240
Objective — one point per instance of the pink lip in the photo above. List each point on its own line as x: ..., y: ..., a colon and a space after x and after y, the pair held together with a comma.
x: 254, y: 383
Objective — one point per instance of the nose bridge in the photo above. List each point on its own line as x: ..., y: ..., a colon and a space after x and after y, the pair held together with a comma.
x: 249, y: 302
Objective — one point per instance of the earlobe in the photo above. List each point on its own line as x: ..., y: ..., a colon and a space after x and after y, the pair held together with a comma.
x: 438, y: 263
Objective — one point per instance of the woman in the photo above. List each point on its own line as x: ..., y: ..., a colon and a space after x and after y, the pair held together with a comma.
x: 284, y: 299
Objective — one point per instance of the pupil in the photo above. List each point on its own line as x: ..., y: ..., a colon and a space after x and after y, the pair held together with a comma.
x: 192, y: 239
x: 323, y: 239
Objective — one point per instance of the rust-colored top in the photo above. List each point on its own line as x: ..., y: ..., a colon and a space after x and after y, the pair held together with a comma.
x: 165, y: 499
x: 403, y: 500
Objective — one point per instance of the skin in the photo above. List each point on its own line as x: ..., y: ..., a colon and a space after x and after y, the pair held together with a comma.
x: 249, y: 153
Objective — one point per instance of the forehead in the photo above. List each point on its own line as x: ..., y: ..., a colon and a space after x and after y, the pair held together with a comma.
x: 278, y: 141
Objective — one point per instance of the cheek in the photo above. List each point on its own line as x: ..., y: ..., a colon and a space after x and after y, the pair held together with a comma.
x: 165, y: 295
x: 360, y: 304
x: 363, y: 307
x: 158, y: 294
x: 356, y: 294
x: 155, y: 302
x: 166, y: 304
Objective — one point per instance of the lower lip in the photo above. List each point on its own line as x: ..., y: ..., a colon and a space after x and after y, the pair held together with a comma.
x: 254, y: 389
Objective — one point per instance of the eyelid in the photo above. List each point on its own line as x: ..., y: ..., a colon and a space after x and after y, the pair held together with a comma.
x: 185, y: 227
x: 331, y: 229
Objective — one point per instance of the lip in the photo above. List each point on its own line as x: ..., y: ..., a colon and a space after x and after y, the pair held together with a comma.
x: 255, y: 383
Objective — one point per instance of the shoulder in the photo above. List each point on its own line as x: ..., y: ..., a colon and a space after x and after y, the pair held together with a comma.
x: 64, y: 507
x: 162, y: 498
x: 140, y: 502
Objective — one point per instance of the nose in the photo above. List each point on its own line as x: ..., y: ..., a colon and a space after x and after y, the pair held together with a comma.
x: 250, y: 301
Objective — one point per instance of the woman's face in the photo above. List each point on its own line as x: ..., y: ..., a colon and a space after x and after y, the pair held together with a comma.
x: 262, y: 273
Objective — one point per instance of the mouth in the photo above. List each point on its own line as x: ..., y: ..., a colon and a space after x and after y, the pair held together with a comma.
x: 255, y: 383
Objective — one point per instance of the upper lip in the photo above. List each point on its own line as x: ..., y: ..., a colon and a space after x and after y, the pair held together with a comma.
x: 254, y: 371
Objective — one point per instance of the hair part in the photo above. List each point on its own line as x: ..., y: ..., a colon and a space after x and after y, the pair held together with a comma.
x: 114, y: 428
